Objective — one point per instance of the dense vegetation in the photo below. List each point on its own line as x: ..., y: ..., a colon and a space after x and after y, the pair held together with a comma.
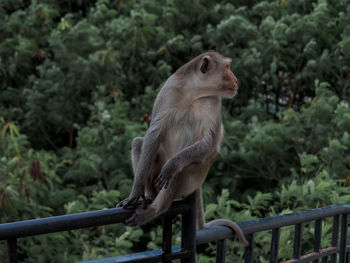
x: 77, y: 82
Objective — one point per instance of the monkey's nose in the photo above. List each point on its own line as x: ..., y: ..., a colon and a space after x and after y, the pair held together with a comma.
x: 236, y: 82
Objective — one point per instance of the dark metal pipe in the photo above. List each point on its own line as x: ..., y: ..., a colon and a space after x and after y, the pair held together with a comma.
x: 12, y: 250
x: 74, y: 221
x: 63, y: 223
x: 297, y: 242
x: 188, y: 231
x: 143, y: 257
x: 249, y: 250
x: 167, y: 238
x: 187, y: 207
x: 317, y: 237
x: 221, y: 232
x: 220, y: 251
x: 274, y: 245
x: 292, y: 219
x: 326, y: 252
x: 335, y: 237
x: 318, y: 234
x: 344, y: 232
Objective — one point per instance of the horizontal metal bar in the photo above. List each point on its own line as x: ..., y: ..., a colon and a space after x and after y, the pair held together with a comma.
x: 75, y: 221
x: 144, y: 257
x: 117, y: 215
x: 314, y: 255
x: 211, y: 234
x: 61, y: 223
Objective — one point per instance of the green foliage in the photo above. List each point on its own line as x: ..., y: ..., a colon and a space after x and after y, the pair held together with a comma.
x: 298, y: 195
x: 77, y: 84
x: 304, y: 142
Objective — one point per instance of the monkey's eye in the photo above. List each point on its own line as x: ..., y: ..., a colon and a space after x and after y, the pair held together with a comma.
x: 205, y: 64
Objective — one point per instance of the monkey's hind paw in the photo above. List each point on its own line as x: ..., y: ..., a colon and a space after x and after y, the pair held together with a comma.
x: 132, y: 220
x: 140, y: 216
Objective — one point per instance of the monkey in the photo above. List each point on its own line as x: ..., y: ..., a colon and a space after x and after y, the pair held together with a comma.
x: 185, y: 135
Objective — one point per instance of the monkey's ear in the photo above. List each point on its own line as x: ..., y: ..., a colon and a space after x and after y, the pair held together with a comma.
x: 205, y: 64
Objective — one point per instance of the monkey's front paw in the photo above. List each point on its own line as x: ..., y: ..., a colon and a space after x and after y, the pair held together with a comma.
x: 161, y: 181
x: 129, y: 203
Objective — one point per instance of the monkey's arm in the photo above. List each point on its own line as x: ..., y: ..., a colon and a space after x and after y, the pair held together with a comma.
x: 195, y: 153
x: 148, y: 152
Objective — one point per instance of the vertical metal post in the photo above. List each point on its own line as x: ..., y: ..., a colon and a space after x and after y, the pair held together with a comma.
x: 344, y: 232
x: 297, y: 242
x: 167, y: 238
x: 220, y: 251
x: 335, y: 237
x: 274, y: 245
x: 249, y: 250
x: 188, y: 233
x: 12, y: 250
x: 317, y: 237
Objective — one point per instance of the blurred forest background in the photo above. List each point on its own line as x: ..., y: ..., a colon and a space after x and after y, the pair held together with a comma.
x: 77, y: 83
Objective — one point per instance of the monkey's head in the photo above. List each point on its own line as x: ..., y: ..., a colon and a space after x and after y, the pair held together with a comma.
x: 215, y: 73
x: 210, y: 74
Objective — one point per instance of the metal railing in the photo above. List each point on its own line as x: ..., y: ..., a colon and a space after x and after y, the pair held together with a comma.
x: 190, y: 238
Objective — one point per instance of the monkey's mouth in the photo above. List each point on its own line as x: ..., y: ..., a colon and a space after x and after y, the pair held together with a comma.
x: 233, y: 91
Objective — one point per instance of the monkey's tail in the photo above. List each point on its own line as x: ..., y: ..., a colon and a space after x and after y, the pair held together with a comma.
x: 230, y: 224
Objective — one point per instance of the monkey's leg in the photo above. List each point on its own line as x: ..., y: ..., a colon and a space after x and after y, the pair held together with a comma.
x: 136, y: 152
x: 135, y: 157
x: 149, y: 151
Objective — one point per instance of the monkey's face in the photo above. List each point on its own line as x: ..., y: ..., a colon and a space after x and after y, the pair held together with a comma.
x: 229, y: 80
x: 216, y: 75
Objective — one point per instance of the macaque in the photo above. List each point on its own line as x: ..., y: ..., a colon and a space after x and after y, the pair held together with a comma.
x: 185, y: 135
